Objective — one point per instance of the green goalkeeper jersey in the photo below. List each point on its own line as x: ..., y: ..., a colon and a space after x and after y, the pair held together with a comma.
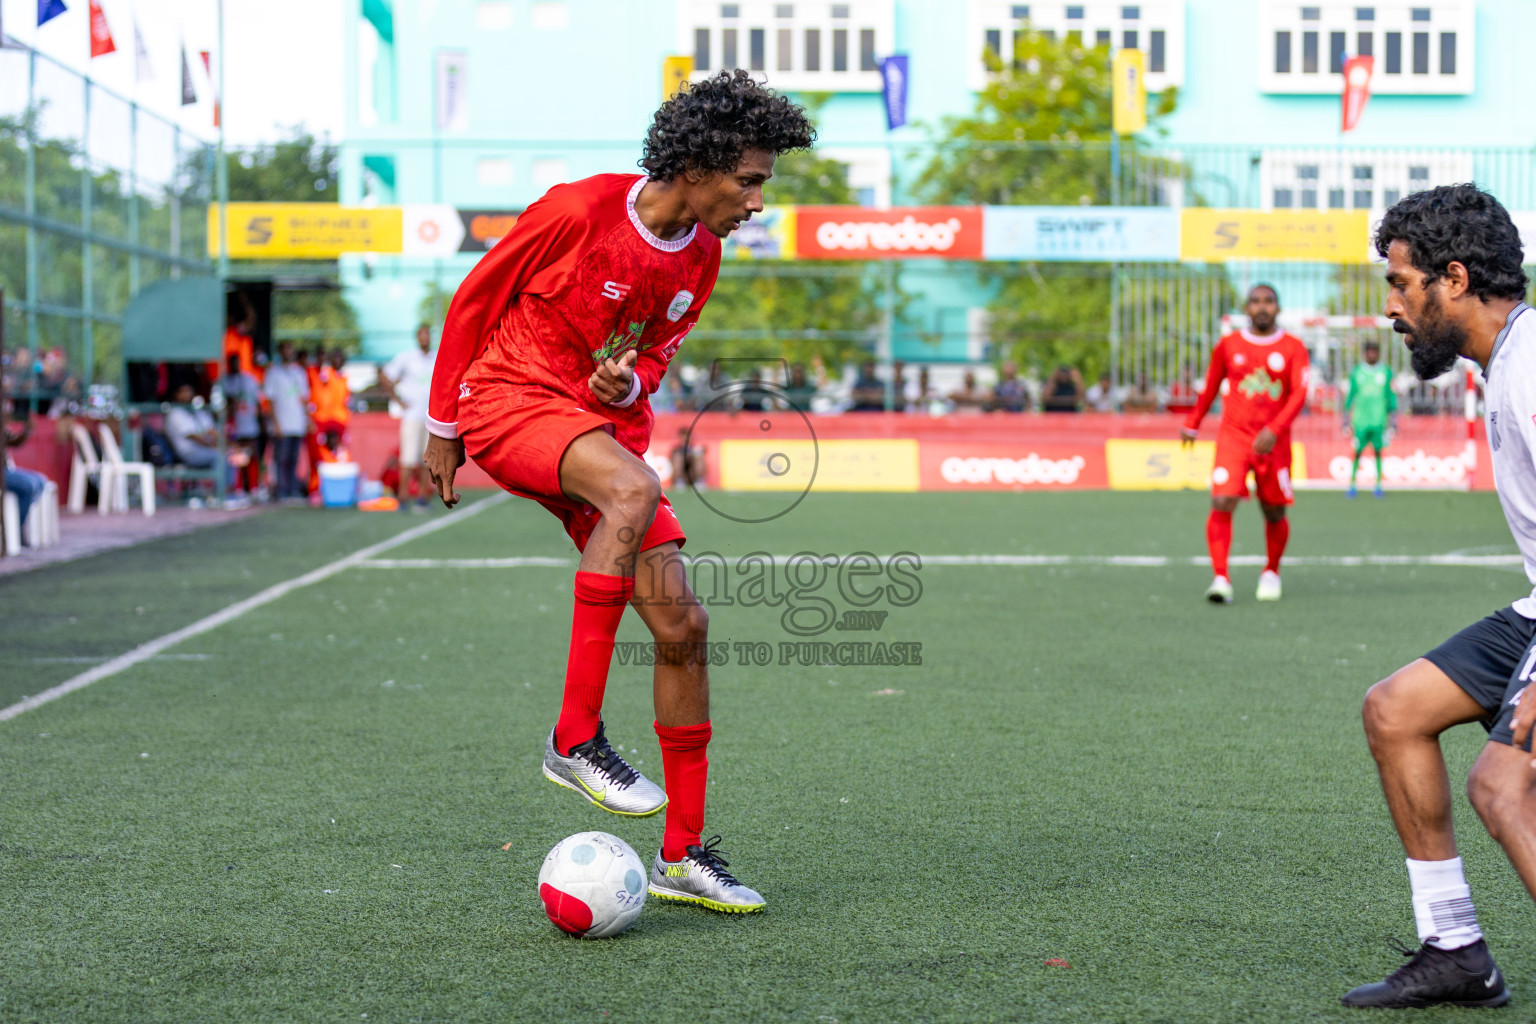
x: 1370, y: 399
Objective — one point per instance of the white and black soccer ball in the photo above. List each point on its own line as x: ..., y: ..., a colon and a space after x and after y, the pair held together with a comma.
x: 592, y: 885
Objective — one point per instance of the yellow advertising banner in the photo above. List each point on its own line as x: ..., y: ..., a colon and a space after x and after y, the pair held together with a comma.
x: 862, y: 465
x: 1130, y: 92
x: 305, y: 231
x: 769, y: 235
x: 675, y: 72
x: 1169, y: 466
x: 1315, y: 236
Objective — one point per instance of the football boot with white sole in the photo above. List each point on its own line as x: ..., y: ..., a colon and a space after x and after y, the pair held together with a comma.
x: 1220, y: 591
x: 596, y: 771
x: 1269, y: 586
x: 701, y: 877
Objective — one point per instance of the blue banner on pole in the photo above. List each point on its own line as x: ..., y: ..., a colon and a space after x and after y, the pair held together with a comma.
x: 47, y: 10
x: 893, y: 75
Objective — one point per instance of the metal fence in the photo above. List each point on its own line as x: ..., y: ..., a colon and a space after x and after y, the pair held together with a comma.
x: 99, y: 197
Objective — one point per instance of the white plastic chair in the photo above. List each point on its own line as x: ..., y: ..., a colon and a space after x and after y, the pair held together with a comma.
x: 42, y: 526
x: 115, y: 473
x: 83, y: 468
x: 10, y: 517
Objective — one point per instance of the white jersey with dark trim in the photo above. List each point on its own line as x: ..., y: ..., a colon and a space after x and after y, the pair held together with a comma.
x: 1509, y: 400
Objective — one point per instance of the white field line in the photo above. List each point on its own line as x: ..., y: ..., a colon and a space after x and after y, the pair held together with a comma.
x: 1025, y: 561
x: 144, y: 652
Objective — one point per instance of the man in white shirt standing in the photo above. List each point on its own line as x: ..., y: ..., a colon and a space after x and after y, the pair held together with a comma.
x: 407, y: 379
x: 1454, y: 270
x: 287, y: 390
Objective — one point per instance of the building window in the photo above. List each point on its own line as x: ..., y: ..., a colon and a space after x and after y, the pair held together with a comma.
x: 1447, y: 53
x: 1101, y: 37
x: 1336, y: 53
x: 1130, y: 13
x: 783, y: 10
x: 1335, y: 199
x: 728, y: 48
x: 1394, y: 53
x: 1129, y: 38
x: 1074, y: 12
x: 1421, y: 53
x: 1074, y: 37
x: 813, y: 49
x: 867, y: 60
x: 1390, y: 196
x: 1309, y: 53
x: 839, y: 49
x: 1020, y: 12
x: 1364, y: 177
x: 1365, y: 44
x: 1365, y: 14
x: 1419, y: 176
x: 1421, y: 14
x: 995, y: 42
x: 1157, y: 58
x: 1283, y: 199
x: 839, y: 10
x: 1309, y: 199
x: 756, y: 44
x: 1282, y: 53
x: 701, y: 49
x: 1362, y: 199
x: 730, y: 10
x: 786, y: 49
x: 1311, y: 13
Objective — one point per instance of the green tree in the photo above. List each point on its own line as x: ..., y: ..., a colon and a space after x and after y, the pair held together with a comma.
x: 1040, y: 135
x: 795, y: 310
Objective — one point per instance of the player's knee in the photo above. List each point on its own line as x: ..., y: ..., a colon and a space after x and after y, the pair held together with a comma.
x: 1386, y: 717
x: 687, y: 625
x: 1497, y: 801
x: 633, y: 496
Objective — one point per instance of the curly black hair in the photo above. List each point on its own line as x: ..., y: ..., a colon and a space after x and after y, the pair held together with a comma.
x: 1460, y: 224
x: 706, y: 127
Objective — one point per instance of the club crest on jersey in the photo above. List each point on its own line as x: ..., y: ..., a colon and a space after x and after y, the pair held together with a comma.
x: 679, y: 305
x: 1260, y: 383
x: 1276, y: 361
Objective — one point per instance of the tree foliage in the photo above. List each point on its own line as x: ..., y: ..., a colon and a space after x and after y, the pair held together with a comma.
x: 1040, y: 135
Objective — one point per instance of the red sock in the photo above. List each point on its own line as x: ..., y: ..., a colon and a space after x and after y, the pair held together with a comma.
x: 686, y: 770
x: 600, y: 602
x: 1275, y: 536
x: 1218, y: 537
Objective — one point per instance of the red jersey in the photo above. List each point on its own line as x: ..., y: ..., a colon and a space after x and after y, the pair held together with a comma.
x: 577, y: 280
x: 1266, y: 379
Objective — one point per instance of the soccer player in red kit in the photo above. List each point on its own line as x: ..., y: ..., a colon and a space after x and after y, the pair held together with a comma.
x: 550, y: 350
x: 1265, y: 370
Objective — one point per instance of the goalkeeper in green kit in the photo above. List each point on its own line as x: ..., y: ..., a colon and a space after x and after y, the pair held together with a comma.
x: 1369, y: 405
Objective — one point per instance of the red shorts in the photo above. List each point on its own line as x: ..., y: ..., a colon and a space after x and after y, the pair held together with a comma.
x: 1272, y: 472
x: 518, y: 435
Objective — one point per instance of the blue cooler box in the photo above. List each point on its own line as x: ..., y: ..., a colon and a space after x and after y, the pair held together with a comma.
x: 338, y: 484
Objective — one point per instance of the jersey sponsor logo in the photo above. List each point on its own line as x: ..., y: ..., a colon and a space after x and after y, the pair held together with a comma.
x: 1276, y: 361
x: 1260, y: 383
x: 679, y: 305
x: 615, y: 290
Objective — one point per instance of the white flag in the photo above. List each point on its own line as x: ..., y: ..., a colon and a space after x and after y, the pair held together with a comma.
x: 143, y: 72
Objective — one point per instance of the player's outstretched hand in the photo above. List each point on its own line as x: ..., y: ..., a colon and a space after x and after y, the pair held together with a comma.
x: 1264, y: 442
x: 1187, y: 437
x: 443, y: 458
x: 611, y: 381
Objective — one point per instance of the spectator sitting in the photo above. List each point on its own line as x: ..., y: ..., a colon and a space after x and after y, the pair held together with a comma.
x: 1010, y: 394
x: 1104, y: 396
x: 1142, y: 398
x: 194, y: 436
x: 920, y: 396
x: 754, y: 397
x: 969, y: 398
x: 1183, y: 395
x: 798, y: 390
x: 868, y: 390
x: 899, y: 386
x: 1064, y: 391
x: 24, y: 483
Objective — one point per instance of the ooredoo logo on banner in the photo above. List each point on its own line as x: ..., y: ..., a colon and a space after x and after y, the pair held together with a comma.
x: 856, y: 233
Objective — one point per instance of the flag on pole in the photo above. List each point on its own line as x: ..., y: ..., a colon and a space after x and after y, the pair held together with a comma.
x: 142, y: 71
x: 101, y: 34
x: 208, y: 67
x: 47, y: 10
x: 1357, y: 89
x: 893, y: 78
x: 188, y: 89
x: 1129, y: 69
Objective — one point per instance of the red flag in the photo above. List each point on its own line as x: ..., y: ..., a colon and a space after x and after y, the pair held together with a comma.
x: 208, y: 69
x: 1357, y: 88
x: 101, y: 35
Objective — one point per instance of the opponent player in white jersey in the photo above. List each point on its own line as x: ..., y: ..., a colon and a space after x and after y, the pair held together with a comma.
x: 1453, y: 266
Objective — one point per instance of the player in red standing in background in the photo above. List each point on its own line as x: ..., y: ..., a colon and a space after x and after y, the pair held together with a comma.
x: 551, y: 347
x: 1266, y: 374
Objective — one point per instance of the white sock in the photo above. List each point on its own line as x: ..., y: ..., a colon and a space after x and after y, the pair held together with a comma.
x: 1442, y: 904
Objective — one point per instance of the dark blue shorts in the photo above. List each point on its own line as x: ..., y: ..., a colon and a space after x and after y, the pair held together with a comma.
x: 1493, y: 660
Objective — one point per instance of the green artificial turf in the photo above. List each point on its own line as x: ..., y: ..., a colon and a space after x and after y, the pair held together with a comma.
x: 1091, y: 765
